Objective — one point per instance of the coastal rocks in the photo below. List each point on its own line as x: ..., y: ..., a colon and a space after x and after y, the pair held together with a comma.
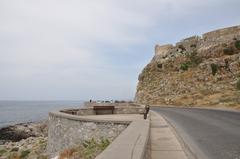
x: 30, y: 148
x: 21, y: 131
x: 196, y: 71
x: 24, y: 141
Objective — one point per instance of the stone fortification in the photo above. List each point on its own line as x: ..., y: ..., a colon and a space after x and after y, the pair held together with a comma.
x: 199, y: 70
x: 224, y: 33
x: 161, y: 50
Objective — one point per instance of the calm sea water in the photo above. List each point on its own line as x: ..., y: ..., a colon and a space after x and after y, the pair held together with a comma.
x: 13, y: 112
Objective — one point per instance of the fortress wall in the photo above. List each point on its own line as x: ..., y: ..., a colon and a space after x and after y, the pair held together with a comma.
x: 189, y: 43
x: 210, y: 38
x: 162, y: 50
x: 223, y: 33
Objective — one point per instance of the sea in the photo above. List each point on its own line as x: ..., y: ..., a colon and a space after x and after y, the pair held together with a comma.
x: 14, y: 112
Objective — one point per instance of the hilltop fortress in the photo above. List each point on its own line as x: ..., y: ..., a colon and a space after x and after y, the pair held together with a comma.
x: 199, y: 70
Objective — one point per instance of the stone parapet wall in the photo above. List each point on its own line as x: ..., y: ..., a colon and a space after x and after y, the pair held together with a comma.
x: 126, y: 110
x: 132, y: 143
x: 86, y: 111
x: 129, y: 110
x: 126, y: 104
x: 117, y: 110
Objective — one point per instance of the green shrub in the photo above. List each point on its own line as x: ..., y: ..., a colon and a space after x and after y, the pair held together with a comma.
x: 184, y: 66
x: 2, y: 151
x: 238, y: 75
x: 182, y: 47
x: 237, y: 44
x: 195, y: 59
x: 104, y: 143
x: 193, y: 46
x: 238, y: 84
x: 214, y: 68
x: 92, y: 147
x: 228, y: 51
x: 14, y: 149
x: 159, y: 65
x: 24, y: 153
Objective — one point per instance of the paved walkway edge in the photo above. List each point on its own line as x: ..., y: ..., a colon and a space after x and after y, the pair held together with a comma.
x: 185, y: 146
x: 163, y: 139
x: 131, y: 143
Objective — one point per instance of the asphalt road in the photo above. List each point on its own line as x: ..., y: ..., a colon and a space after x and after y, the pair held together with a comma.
x: 209, y: 134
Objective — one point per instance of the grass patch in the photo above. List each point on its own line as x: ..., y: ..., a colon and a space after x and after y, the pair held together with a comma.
x: 88, y: 150
x: 184, y: 66
x: 92, y: 147
x: 2, y: 151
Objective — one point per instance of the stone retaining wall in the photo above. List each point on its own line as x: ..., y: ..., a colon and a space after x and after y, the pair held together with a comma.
x: 70, y: 130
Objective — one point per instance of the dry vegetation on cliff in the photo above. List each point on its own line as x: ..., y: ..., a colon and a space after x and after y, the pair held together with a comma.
x: 197, y: 71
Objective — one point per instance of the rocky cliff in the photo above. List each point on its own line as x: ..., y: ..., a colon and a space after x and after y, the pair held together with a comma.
x: 200, y: 70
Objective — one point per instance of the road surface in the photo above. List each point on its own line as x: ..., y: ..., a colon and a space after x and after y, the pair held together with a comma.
x: 209, y: 134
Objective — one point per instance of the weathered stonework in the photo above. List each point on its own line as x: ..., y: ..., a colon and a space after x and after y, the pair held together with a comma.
x: 67, y: 132
x: 162, y: 50
x: 126, y: 110
x: 222, y: 33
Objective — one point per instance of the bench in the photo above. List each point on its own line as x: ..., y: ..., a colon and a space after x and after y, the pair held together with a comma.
x: 103, y: 109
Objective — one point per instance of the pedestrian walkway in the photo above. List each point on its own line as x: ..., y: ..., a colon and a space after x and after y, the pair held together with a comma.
x: 164, y: 144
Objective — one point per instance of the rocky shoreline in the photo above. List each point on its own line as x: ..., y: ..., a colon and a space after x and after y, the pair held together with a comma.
x: 24, y: 141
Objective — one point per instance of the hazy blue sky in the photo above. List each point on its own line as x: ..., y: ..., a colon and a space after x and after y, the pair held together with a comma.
x: 82, y: 49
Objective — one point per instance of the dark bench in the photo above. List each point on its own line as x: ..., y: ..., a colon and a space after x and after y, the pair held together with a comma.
x: 102, y: 109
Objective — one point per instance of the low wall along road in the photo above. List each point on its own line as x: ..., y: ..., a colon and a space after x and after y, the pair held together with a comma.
x: 129, y: 133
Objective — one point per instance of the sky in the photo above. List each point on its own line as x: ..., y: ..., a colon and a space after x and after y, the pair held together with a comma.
x: 94, y: 49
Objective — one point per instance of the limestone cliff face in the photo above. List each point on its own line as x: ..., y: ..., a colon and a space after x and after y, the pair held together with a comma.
x: 196, y: 71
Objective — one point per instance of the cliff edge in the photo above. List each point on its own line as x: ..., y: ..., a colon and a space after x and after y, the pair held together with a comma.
x: 197, y: 71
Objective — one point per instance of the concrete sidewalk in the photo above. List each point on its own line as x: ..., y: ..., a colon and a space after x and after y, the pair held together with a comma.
x: 164, y: 144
